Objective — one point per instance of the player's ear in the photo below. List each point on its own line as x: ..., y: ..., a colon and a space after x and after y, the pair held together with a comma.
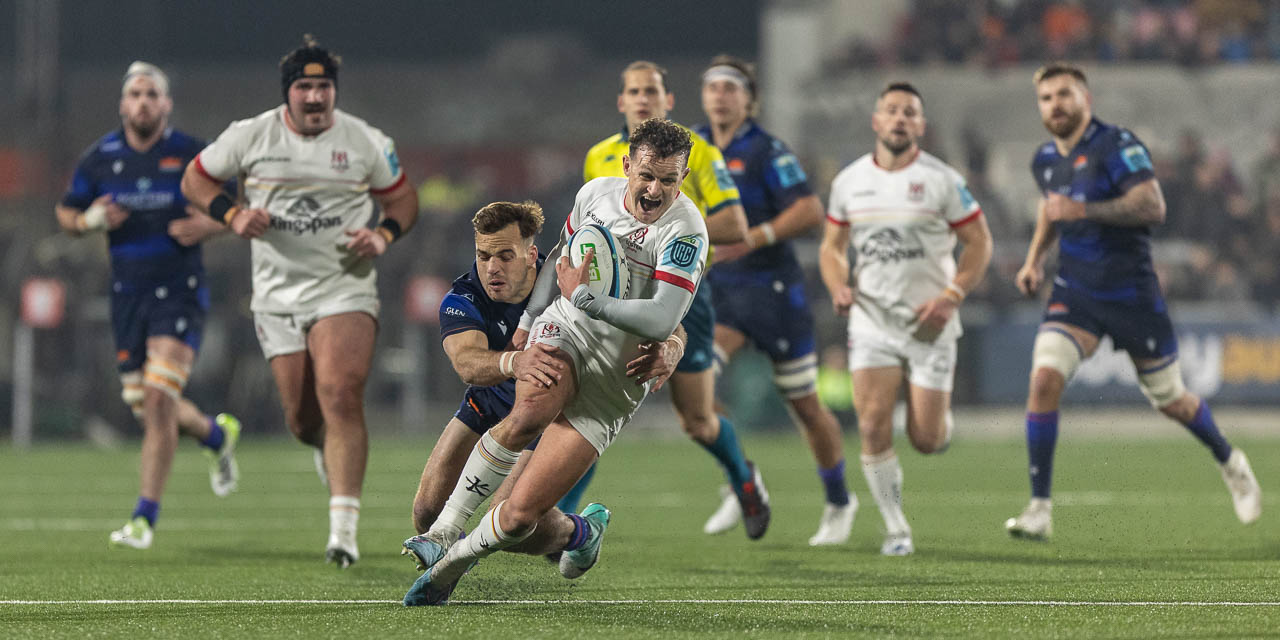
x: 621, y: 107
x: 671, y: 101
x: 626, y: 164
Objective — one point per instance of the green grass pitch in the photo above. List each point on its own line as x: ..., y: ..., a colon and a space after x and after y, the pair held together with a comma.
x: 1137, y: 522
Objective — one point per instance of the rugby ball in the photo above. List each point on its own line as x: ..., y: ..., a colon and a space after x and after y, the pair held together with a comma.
x: 609, y: 275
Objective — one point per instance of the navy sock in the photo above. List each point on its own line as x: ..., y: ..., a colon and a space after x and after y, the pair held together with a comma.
x: 833, y: 482
x: 149, y: 509
x: 569, y: 503
x: 729, y: 454
x: 1042, y: 436
x: 580, y: 532
x: 216, y: 436
x: 1205, y: 429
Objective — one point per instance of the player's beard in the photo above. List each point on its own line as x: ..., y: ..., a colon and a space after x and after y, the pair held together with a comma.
x: 144, y: 128
x: 898, y: 148
x: 1064, y: 128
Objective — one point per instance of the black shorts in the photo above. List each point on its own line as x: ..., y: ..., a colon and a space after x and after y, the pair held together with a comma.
x: 177, y: 310
x: 1140, y: 327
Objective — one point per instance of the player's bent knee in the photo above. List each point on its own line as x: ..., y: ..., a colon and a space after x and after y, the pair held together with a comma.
x: 165, y: 375
x: 796, y: 378
x: 1057, y: 351
x: 1162, y: 385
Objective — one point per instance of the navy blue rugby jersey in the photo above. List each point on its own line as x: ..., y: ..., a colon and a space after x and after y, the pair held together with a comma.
x: 1106, y: 262
x: 467, y: 307
x: 769, y: 179
x: 148, y: 185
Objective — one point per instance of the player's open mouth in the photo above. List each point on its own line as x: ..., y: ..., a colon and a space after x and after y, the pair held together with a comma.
x: 497, y: 284
x: 649, y: 206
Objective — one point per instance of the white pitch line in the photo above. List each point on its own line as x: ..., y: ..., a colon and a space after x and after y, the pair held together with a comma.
x: 979, y: 603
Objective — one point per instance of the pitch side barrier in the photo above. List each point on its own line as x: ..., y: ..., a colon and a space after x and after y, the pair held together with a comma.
x: 1235, y: 362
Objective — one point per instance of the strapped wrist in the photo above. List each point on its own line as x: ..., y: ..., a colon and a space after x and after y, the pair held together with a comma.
x: 223, y: 209
x: 390, y: 229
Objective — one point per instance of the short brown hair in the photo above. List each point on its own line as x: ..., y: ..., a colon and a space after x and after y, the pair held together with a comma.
x: 1059, y: 69
x: 903, y: 86
x: 666, y: 138
x: 642, y: 65
x: 745, y: 68
x: 496, y: 216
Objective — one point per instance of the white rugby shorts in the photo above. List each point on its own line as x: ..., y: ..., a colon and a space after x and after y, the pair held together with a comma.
x: 929, y: 365
x: 285, y: 333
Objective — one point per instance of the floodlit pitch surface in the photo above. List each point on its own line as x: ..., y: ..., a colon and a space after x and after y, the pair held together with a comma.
x: 1145, y: 545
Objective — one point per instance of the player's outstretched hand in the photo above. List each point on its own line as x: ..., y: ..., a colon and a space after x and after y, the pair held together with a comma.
x: 193, y: 229
x: 1028, y: 279
x: 655, y: 361
x: 842, y: 300
x: 1060, y: 208
x: 932, y: 317
x: 569, y: 276
x: 250, y: 223
x: 539, y: 365
x: 366, y: 243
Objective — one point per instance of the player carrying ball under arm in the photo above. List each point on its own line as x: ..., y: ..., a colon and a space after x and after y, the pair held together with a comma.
x: 903, y: 210
x: 1101, y: 199
x: 313, y: 175
x: 127, y: 188
x: 594, y: 336
x: 758, y: 285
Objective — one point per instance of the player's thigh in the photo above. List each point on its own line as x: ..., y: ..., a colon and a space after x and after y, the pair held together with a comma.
x: 1084, y: 338
x: 444, y: 465
x: 729, y: 340
x: 927, y: 409
x: 875, y: 391
x: 699, y: 323
x: 295, y: 381
x: 561, y: 458
x: 172, y: 349
x: 341, y: 348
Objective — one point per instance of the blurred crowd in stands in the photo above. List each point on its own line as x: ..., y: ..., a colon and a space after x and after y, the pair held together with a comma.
x: 1004, y: 32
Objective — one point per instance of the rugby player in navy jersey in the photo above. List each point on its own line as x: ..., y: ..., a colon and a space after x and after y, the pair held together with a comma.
x: 1100, y: 200
x: 479, y: 327
x: 127, y: 187
x: 758, y: 285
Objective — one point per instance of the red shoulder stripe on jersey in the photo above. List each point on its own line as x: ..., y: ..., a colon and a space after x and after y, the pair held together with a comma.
x: 966, y: 220
x: 843, y: 223
x: 378, y: 192
x: 683, y: 283
x: 203, y: 172
x: 568, y: 224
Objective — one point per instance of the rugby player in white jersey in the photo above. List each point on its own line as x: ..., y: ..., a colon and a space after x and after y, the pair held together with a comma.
x: 666, y: 244
x: 903, y: 211
x: 314, y: 178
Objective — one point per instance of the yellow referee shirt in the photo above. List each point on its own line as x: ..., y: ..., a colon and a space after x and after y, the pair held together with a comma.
x: 709, y: 184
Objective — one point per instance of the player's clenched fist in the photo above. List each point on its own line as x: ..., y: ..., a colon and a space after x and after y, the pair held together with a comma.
x: 842, y: 300
x: 250, y: 223
x: 1029, y: 278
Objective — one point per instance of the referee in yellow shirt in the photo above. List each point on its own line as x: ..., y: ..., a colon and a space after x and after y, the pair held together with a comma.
x: 643, y: 95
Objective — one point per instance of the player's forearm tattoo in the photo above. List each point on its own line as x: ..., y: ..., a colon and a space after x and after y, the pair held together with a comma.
x: 1140, y: 206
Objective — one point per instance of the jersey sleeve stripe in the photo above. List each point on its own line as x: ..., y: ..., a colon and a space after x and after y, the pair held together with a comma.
x: 568, y: 225
x: 393, y: 187
x: 843, y: 223
x: 204, y: 172
x: 965, y: 220
x: 683, y: 283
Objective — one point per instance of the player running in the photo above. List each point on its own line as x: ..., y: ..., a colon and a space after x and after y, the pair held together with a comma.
x: 664, y: 237
x: 1101, y: 198
x: 643, y: 95
x: 759, y: 291
x: 127, y: 186
x: 315, y: 177
x: 903, y: 211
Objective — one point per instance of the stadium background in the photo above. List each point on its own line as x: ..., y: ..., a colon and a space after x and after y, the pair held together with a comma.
x: 501, y: 99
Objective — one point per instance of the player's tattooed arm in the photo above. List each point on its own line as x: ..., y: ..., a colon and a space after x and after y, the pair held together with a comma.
x: 833, y: 264
x: 1142, y: 205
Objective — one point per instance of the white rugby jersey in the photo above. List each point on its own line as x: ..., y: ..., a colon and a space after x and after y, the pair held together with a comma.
x: 315, y: 188
x: 670, y: 252
x: 902, y: 230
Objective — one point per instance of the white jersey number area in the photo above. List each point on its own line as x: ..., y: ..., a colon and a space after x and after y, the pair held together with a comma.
x: 316, y: 188
x: 902, y: 230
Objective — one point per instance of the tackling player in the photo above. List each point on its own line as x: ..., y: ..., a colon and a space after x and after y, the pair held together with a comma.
x: 903, y: 210
x: 594, y: 336
x: 759, y: 291
x: 127, y: 188
x: 313, y: 177
x: 1101, y: 199
x: 643, y: 95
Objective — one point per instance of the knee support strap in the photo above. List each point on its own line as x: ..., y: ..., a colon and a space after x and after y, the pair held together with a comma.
x: 1162, y: 385
x: 165, y: 375
x: 131, y: 391
x: 1056, y: 350
x: 797, y: 378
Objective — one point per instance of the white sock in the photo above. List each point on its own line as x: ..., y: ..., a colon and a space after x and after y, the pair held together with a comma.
x: 485, y: 540
x: 488, y: 465
x: 344, y: 514
x: 884, y: 477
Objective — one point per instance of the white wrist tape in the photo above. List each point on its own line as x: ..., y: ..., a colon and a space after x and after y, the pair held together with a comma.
x: 95, y: 217
x: 769, y: 236
x: 507, y: 363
